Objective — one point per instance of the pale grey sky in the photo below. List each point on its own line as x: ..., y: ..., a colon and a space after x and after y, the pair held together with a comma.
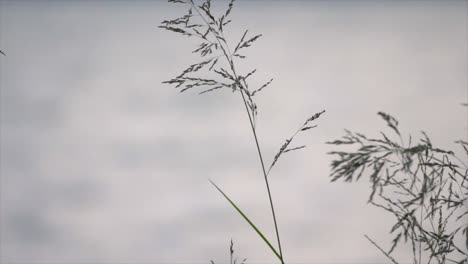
x: 100, y: 162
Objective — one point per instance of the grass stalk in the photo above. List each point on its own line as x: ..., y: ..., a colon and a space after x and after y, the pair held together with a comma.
x: 207, y: 27
x: 227, y: 51
x: 265, y: 177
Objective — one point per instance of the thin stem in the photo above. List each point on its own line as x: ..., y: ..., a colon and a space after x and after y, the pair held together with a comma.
x: 231, y: 63
x: 265, y: 175
x: 231, y: 251
x: 381, y: 250
x: 420, y: 242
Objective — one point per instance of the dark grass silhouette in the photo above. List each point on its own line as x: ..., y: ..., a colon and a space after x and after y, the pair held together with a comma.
x: 423, y: 187
x: 232, y: 258
x: 219, y: 64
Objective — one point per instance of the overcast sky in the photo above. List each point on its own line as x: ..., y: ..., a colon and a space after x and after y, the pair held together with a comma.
x: 100, y: 162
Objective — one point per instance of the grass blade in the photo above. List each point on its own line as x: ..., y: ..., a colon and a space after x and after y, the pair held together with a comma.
x: 248, y: 221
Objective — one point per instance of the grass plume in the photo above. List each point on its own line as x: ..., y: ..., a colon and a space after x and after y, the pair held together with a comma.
x: 219, y: 63
x: 423, y: 187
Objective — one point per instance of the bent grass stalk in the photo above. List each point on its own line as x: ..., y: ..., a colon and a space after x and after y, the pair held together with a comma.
x: 210, y: 30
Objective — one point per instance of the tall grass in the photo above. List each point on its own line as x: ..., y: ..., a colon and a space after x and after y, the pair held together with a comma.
x: 425, y: 189
x: 219, y: 62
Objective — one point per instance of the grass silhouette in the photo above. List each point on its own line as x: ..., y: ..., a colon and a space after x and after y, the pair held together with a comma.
x: 219, y: 62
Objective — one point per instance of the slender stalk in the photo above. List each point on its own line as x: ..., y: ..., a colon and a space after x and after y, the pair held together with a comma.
x: 381, y: 250
x: 266, y: 177
x: 231, y: 63
x: 420, y: 242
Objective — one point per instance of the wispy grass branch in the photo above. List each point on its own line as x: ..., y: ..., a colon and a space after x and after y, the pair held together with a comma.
x: 424, y: 187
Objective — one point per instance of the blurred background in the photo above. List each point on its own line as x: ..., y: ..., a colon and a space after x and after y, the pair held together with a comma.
x: 101, y: 163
